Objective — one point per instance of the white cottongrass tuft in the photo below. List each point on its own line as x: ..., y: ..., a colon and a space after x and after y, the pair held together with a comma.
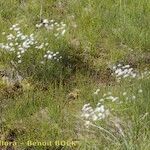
x: 96, y: 92
x: 59, y: 29
x: 123, y: 71
x: 18, y: 43
x: 90, y: 114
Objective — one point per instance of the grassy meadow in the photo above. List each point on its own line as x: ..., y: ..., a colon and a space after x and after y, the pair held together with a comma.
x: 75, y: 74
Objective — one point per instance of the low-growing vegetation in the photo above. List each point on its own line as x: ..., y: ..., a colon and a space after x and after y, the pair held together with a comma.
x: 74, y: 75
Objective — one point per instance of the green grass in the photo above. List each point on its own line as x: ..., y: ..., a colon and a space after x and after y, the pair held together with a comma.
x: 43, y: 115
x: 99, y: 34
